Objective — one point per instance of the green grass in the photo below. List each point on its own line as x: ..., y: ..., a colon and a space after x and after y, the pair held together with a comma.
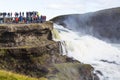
x: 6, y: 75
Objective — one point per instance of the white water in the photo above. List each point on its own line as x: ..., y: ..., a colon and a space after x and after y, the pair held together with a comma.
x: 102, y: 56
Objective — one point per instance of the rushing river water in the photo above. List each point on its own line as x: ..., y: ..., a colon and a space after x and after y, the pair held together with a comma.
x: 103, y: 56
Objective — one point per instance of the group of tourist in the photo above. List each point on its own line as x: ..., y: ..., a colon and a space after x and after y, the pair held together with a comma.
x: 21, y: 17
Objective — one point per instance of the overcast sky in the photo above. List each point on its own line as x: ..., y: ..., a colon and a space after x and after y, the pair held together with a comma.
x: 52, y: 8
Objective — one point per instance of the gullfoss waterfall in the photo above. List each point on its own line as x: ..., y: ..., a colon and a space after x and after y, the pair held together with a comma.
x: 103, y: 56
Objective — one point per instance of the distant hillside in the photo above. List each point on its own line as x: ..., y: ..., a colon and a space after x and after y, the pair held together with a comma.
x: 104, y: 24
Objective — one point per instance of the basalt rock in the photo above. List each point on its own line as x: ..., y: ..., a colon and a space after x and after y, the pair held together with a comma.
x: 29, y: 49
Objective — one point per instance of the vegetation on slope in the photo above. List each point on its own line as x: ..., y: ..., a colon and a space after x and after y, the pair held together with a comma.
x: 6, y: 75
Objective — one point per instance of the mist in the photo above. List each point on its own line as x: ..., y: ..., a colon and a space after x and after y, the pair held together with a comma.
x: 104, y: 24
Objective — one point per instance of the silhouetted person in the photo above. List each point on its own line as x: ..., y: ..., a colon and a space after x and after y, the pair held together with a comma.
x: 8, y: 14
x: 4, y: 14
x: 26, y: 14
x: 20, y: 13
x: 1, y: 14
x: 23, y: 14
x: 11, y: 14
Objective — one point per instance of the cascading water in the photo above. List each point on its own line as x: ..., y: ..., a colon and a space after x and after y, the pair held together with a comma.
x: 104, y: 57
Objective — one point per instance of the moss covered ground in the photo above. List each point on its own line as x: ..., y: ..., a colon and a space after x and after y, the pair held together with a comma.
x: 6, y: 75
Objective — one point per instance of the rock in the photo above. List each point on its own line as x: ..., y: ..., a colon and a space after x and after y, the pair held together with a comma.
x: 29, y: 49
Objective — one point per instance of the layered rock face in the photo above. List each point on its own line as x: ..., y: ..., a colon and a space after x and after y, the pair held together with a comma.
x: 22, y: 47
x: 16, y: 35
x: 29, y: 49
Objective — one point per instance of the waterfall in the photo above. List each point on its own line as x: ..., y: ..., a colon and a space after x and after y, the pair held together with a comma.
x: 103, y: 56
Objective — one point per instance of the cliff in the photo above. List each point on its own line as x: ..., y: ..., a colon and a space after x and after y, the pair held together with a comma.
x: 103, y: 24
x: 18, y: 35
x: 28, y: 49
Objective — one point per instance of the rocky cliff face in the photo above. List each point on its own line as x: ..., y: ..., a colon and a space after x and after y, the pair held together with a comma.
x: 15, y: 35
x: 29, y: 49
x: 102, y: 24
